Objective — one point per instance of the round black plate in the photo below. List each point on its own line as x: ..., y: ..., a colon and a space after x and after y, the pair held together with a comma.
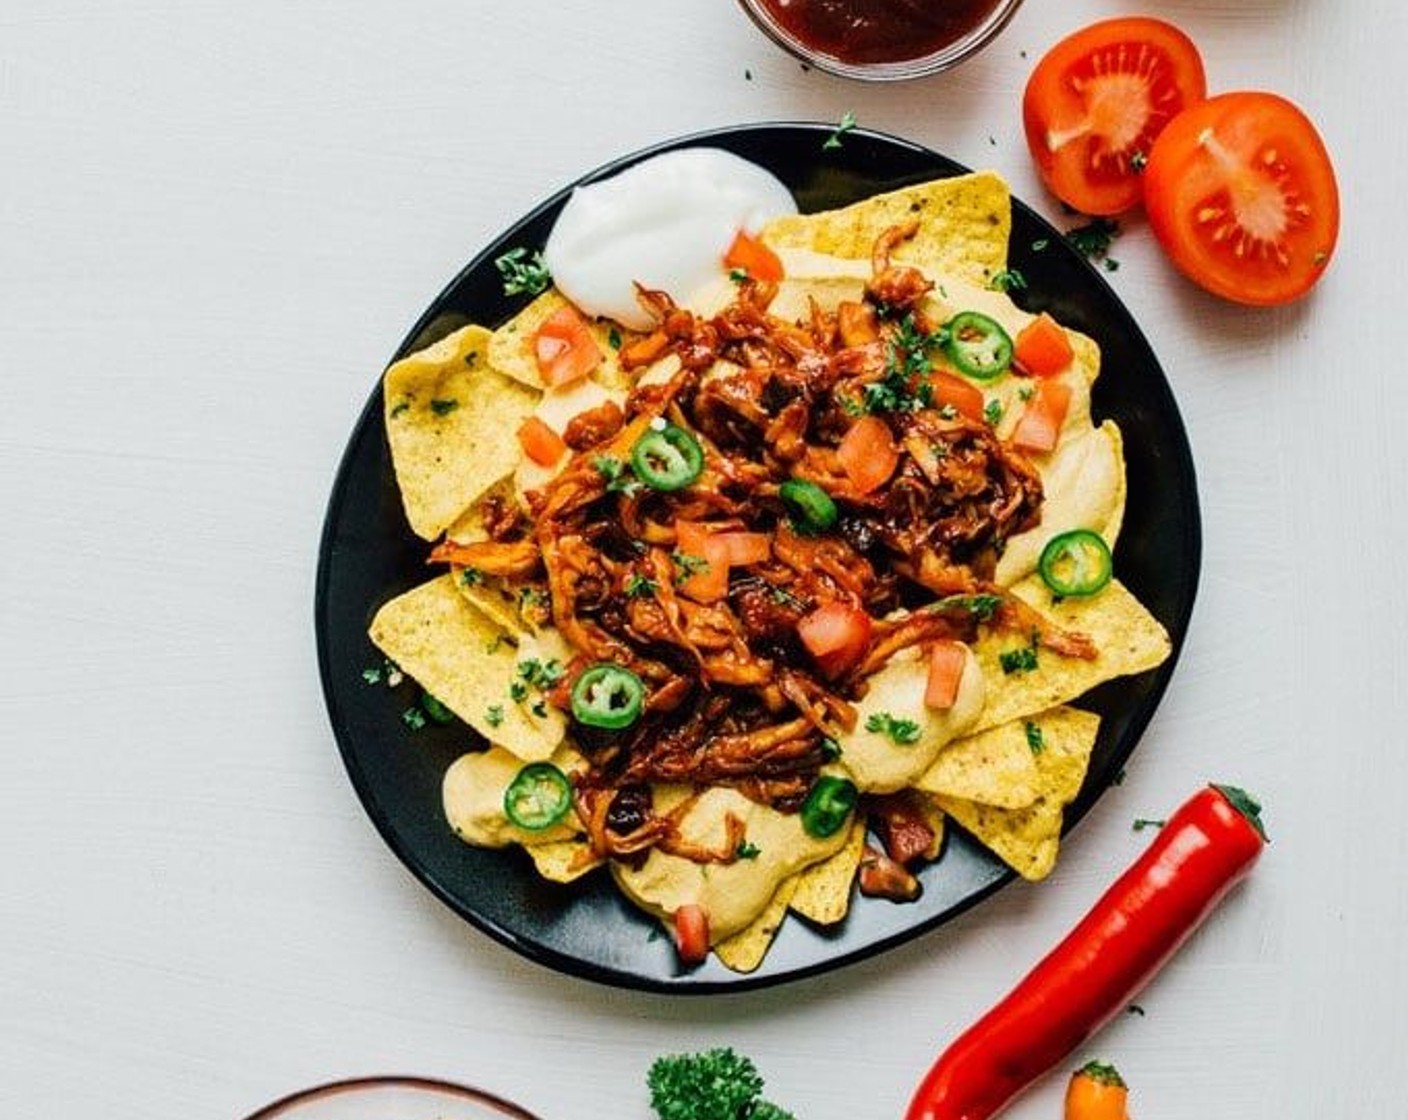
x: 369, y: 555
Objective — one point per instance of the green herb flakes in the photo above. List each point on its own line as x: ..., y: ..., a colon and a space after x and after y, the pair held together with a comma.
x: 1035, y: 742
x: 905, y: 732
x: 843, y: 126
x: 523, y: 274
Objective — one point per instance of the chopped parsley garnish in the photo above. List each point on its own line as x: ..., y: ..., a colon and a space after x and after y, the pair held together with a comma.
x: 613, y: 339
x: 1093, y: 241
x: 830, y: 749
x: 494, y: 715
x: 413, y: 718
x: 1135, y: 1009
x: 371, y: 676
x: 1138, y: 162
x: 471, y: 577
x: 533, y: 673
x: 747, y: 850
x: 843, y: 126
x: 902, y: 731
x: 948, y: 412
x: 738, y: 275
x: 541, y: 674
x: 1018, y: 660
x: 981, y: 607
x: 619, y: 479
x: 534, y: 597
x: 444, y: 407
x: 1040, y: 243
x: 1034, y: 739
x: 1008, y: 280
x: 640, y: 587
x: 992, y: 411
x: 401, y: 407
x: 784, y: 598
x: 1141, y: 823
x: 523, y: 274
x: 905, y: 386
x: 688, y: 565
x: 1025, y: 393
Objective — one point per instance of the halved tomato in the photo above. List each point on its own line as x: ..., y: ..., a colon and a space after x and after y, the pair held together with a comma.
x: 1241, y: 193
x: 1096, y: 102
x: 836, y: 634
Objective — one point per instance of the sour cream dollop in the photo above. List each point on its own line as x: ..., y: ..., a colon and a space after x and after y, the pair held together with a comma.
x: 665, y: 223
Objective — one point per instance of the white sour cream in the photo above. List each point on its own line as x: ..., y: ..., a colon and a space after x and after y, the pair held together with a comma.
x: 665, y: 223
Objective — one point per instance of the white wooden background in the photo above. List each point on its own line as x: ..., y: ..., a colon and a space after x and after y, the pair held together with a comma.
x: 216, y: 222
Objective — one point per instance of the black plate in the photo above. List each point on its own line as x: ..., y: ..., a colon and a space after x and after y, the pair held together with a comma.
x: 369, y: 555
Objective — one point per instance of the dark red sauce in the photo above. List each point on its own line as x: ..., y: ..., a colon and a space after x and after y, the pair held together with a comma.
x: 861, y: 31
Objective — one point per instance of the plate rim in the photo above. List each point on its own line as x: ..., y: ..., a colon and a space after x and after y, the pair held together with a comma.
x: 685, y: 983
x: 298, y: 1097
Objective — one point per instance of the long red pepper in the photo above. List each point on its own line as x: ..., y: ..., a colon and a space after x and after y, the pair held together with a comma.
x: 1201, y: 851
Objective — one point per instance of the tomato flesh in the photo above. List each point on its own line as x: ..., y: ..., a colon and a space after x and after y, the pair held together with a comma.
x: 564, y: 348
x: 836, y: 635
x: 1241, y: 194
x: 868, y: 453
x: 691, y: 933
x: 1097, y: 101
x: 540, y: 443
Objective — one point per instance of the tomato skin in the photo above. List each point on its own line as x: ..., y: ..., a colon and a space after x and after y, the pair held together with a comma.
x: 564, y: 348
x: 1238, y: 157
x: 750, y: 255
x: 540, y: 443
x: 691, y: 933
x: 1098, y: 97
x: 965, y: 397
x: 837, y: 635
x: 1039, y: 429
x: 1042, y: 348
x: 868, y: 453
x: 947, y: 660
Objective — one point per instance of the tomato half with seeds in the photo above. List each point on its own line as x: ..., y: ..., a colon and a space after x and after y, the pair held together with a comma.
x: 1097, y: 101
x: 1241, y: 193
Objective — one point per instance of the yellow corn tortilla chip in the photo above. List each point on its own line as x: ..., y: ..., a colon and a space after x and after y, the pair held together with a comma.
x: 964, y: 225
x: 455, y: 653
x: 745, y: 950
x: 823, y: 891
x: 993, y: 767
x: 1028, y: 839
x: 564, y: 861
x: 451, y: 424
x: 1115, y: 522
x: 511, y: 349
x: 1129, y: 640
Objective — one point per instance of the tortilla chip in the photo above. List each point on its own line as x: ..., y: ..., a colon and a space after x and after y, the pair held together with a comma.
x: 1115, y: 522
x: 964, y: 225
x: 745, y: 950
x: 822, y: 892
x: 511, y: 350
x: 456, y: 653
x: 451, y: 423
x: 1028, y: 839
x: 1129, y: 639
x: 995, y: 767
x: 564, y: 861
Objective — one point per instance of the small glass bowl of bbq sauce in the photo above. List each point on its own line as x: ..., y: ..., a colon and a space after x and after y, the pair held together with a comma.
x: 881, y: 40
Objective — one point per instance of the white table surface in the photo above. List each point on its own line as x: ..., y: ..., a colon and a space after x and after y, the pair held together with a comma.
x: 217, y: 220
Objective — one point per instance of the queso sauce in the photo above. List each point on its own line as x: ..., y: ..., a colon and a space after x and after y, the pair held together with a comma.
x: 861, y: 31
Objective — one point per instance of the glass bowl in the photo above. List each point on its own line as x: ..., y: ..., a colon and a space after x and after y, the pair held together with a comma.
x: 980, y: 31
x: 392, y: 1098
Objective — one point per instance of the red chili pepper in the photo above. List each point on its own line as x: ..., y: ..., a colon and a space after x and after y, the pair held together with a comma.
x: 1203, y: 849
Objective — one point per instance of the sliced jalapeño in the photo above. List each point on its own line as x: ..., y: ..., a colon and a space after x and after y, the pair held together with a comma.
x: 977, y: 345
x: 608, y: 696
x: 1076, y: 563
x: 538, y: 797
x: 667, y: 457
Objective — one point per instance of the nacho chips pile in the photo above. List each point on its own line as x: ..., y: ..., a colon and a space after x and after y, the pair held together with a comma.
x: 451, y: 412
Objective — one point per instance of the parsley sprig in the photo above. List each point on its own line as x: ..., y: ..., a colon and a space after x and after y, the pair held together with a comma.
x: 523, y: 274
x: 903, y: 731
